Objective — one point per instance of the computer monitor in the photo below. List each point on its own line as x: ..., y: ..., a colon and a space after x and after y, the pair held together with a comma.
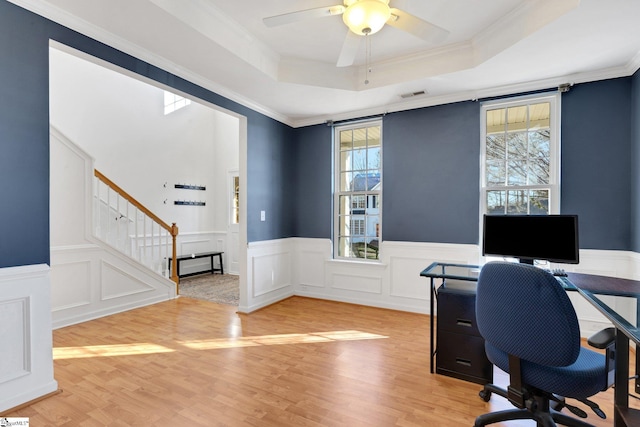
x: 552, y: 238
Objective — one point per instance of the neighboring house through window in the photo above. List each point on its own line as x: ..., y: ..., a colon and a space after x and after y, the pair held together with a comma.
x: 358, y: 188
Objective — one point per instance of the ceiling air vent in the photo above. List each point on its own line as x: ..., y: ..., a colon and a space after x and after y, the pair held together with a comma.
x: 412, y: 94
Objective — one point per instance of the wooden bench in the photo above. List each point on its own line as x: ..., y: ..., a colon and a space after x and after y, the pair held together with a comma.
x: 181, y: 258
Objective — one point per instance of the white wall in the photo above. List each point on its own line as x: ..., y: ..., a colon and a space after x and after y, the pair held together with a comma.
x: 120, y: 122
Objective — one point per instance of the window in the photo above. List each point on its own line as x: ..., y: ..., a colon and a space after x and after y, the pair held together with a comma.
x: 357, y: 227
x: 235, y: 215
x: 173, y: 102
x: 358, y: 188
x: 521, y: 156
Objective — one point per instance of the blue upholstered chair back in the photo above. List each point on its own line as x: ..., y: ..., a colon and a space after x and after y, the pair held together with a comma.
x: 524, y: 311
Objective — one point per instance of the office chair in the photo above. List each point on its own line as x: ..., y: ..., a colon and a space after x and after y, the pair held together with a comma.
x: 531, y: 331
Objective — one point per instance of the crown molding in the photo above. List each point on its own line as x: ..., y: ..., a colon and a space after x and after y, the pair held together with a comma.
x: 634, y: 64
x: 475, y: 95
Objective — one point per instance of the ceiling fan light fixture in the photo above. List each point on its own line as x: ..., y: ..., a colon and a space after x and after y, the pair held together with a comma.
x: 366, y: 17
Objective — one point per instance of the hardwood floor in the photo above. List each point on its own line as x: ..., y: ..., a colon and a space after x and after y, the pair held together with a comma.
x: 300, y: 362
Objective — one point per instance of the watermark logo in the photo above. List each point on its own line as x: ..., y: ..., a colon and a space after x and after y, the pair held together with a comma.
x: 14, y: 421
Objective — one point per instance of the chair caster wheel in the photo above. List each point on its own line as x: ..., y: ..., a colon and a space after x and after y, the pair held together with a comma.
x: 485, y: 395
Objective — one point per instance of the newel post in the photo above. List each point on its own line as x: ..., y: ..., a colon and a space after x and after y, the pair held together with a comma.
x: 174, y: 260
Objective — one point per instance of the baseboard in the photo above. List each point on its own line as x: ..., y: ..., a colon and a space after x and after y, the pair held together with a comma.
x: 31, y: 402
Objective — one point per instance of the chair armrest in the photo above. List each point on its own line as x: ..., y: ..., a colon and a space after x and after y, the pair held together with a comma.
x: 603, y: 338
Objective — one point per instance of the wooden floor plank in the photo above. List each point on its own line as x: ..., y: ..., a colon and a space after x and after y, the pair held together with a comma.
x: 300, y: 362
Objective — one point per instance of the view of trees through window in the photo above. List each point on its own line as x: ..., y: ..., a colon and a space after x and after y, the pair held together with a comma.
x: 518, y: 175
x: 358, y: 190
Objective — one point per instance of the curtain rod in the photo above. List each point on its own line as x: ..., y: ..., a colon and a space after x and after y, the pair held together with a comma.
x: 353, y: 121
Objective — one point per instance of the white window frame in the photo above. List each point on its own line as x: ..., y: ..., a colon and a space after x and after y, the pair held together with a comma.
x: 554, y: 100
x: 337, y: 193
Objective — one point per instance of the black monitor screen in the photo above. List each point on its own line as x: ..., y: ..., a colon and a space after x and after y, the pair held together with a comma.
x: 532, y: 237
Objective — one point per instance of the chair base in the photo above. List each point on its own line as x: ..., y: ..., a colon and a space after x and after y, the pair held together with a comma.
x: 545, y: 415
x: 542, y: 419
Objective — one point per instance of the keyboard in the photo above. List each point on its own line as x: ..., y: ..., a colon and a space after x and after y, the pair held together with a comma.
x: 559, y: 272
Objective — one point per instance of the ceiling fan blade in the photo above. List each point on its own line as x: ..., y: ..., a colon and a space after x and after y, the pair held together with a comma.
x: 412, y: 24
x: 349, y: 50
x: 301, y: 15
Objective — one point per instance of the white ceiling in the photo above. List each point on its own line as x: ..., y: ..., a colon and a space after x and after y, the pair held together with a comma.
x: 495, y: 47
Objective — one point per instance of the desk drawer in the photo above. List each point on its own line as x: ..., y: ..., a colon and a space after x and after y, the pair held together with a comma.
x: 463, y: 357
x: 457, y: 311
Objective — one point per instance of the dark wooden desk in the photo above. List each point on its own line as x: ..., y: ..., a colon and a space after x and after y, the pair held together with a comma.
x: 589, y: 286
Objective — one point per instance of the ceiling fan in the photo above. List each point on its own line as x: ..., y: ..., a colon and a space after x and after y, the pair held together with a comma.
x: 364, y: 17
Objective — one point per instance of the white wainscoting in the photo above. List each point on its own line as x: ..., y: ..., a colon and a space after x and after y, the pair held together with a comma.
x: 394, y: 282
x: 300, y: 266
x: 26, y: 370
x: 269, y: 274
x: 92, y: 280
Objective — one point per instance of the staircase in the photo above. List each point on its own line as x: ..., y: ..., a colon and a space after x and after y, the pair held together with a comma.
x: 126, y: 225
x: 108, y: 252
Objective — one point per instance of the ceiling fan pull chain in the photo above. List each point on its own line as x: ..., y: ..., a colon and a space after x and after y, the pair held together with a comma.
x: 367, y: 58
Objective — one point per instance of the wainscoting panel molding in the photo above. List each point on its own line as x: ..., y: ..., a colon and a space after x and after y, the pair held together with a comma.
x: 268, y: 275
x: 271, y: 272
x: 404, y: 282
x: 14, y: 312
x: 26, y: 371
x: 357, y: 282
x: 71, y: 284
x: 116, y: 283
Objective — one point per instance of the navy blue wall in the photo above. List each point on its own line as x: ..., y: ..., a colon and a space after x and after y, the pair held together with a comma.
x: 635, y: 162
x: 596, y: 165
x: 271, y: 155
x: 431, y: 174
x: 24, y: 138
x: 314, y: 182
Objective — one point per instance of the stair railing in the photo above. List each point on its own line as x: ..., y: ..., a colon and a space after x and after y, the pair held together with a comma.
x: 128, y: 226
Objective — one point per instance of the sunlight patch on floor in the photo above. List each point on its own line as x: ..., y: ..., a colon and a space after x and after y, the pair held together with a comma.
x: 280, y: 339
x: 108, y: 350
x: 111, y: 350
